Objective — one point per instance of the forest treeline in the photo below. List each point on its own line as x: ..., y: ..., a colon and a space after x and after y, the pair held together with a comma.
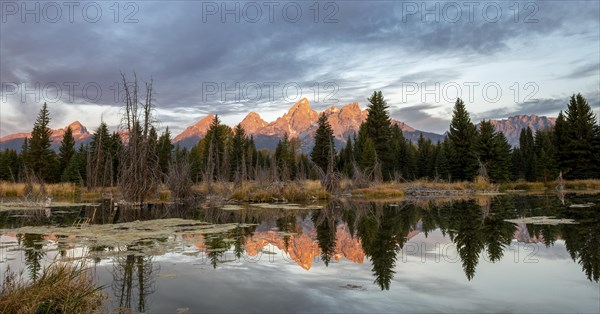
x: 140, y: 159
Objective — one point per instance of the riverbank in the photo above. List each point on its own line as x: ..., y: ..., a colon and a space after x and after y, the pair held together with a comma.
x: 302, y: 191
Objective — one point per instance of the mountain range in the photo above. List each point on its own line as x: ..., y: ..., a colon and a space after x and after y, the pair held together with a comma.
x: 299, y: 121
x: 80, y: 134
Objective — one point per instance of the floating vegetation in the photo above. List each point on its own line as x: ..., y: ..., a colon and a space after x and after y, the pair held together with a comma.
x: 40, y: 206
x: 585, y: 205
x: 542, y: 220
x: 232, y: 207
x: 286, y: 206
x: 129, y: 234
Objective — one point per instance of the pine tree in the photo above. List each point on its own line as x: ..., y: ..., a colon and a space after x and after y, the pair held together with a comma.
x: 378, y: 129
x: 494, y: 153
x: 398, y: 145
x: 500, y: 169
x: 424, y: 152
x: 66, y: 150
x: 560, y: 140
x: 442, y: 165
x: 527, y: 158
x: 115, y: 151
x: 546, y: 167
x: 165, y: 149
x: 581, y: 148
x: 99, y: 172
x: 368, y: 157
x: 40, y: 158
x: 75, y: 170
x: 285, y: 159
x: 462, y: 137
x: 9, y: 165
x: 321, y: 152
x: 346, y: 159
x: 238, y: 154
x: 214, y: 154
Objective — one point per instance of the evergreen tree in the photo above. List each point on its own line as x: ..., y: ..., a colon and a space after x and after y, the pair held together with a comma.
x: 546, y: 167
x: 251, y: 157
x: 346, y: 159
x: 442, y: 165
x: 399, y: 148
x: 115, y: 151
x: 75, y: 170
x: 66, y: 150
x: 165, y: 148
x: 378, y: 129
x: 238, y: 154
x: 214, y: 154
x: 527, y: 158
x: 99, y: 172
x: 494, y: 153
x: 40, y: 158
x: 9, y: 165
x: 424, y: 152
x: 560, y: 140
x: 368, y: 157
x: 285, y: 159
x: 324, y: 148
x: 500, y: 169
x: 581, y: 148
x: 462, y: 137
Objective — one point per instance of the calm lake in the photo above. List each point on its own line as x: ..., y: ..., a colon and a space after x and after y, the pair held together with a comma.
x: 343, y: 256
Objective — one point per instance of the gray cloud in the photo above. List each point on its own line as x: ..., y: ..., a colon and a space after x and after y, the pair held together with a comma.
x: 416, y: 117
x: 370, y: 47
x: 548, y: 106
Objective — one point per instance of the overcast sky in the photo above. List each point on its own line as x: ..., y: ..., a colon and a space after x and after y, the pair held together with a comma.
x: 502, y: 58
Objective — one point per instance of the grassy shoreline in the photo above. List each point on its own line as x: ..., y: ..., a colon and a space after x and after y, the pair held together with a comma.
x: 307, y: 190
x: 60, y: 288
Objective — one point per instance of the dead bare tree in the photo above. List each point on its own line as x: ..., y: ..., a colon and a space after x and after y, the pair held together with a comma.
x: 139, y: 175
x: 330, y: 179
x: 359, y: 178
x: 178, y: 178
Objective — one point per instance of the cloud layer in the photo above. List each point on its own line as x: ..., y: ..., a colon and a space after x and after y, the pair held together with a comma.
x: 339, y: 55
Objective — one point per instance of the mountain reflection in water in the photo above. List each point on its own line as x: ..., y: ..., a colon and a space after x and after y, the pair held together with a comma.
x: 381, y: 235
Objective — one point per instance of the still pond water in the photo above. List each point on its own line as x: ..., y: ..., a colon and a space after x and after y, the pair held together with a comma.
x: 344, y: 256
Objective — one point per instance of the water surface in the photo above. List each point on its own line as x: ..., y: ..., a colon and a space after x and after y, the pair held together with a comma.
x: 348, y: 256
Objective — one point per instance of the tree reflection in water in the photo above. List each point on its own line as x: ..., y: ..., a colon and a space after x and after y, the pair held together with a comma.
x: 356, y: 229
x: 133, y: 281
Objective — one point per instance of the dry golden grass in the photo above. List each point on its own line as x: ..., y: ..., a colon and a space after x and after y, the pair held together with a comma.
x: 58, y: 190
x: 61, y: 288
x: 439, y: 185
x: 524, y: 186
x: 589, y: 184
x: 382, y: 190
x: 266, y: 192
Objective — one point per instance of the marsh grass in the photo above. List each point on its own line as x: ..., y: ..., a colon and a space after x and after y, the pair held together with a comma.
x: 292, y: 191
x: 382, y: 190
x: 61, y: 288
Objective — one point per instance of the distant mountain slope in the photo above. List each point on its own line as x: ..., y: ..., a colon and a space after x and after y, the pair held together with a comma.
x: 299, y: 121
x: 511, y: 127
x: 80, y: 133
